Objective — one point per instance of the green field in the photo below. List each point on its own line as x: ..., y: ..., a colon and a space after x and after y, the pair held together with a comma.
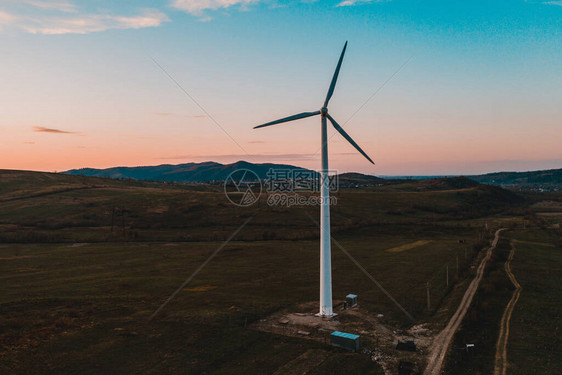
x: 85, y: 261
x: 57, y: 295
x: 533, y: 342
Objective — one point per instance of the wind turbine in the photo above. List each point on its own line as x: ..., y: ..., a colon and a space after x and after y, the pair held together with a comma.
x: 325, y: 252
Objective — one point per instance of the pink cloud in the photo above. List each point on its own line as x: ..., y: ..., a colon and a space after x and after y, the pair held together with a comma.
x: 40, y: 129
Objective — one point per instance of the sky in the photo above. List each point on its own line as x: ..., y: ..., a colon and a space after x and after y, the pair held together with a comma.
x: 426, y: 87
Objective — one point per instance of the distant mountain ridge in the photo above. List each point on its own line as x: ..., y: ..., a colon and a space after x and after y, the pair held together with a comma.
x: 212, y: 171
x: 189, y: 172
x: 550, y: 177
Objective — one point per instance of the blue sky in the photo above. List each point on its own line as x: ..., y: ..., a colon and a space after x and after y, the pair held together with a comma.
x: 479, y: 91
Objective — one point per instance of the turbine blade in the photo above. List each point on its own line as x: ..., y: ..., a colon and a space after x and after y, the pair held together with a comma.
x: 290, y: 118
x: 335, y: 77
x: 349, y: 139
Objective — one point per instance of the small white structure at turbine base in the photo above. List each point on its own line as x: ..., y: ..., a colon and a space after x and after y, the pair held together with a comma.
x: 326, y: 308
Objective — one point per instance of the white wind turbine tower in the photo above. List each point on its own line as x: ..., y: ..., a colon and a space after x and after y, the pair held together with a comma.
x: 325, y: 252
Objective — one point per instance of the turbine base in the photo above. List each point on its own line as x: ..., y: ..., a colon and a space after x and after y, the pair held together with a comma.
x: 325, y: 316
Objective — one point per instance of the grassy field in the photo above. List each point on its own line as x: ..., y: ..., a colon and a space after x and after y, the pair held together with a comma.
x: 54, y: 294
x: 85, y: 262
x: 481, y: 324
x: 534, y: 341
x: 46, y: 207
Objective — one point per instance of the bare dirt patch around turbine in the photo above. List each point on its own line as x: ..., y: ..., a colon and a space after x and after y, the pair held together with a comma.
x: 378, y: 340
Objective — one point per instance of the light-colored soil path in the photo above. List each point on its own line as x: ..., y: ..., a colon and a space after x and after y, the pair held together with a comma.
x: 500, y: 366
x: 442, y: 341
x: 408, y: 246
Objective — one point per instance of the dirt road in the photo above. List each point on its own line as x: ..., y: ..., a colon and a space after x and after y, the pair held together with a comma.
x: 442, y: 341
x: 500, y: 366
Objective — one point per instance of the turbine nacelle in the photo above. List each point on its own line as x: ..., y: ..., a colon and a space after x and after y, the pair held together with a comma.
x: 324, y: 111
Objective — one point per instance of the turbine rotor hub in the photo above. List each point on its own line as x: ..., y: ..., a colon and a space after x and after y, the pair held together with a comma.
x: 324, y: 111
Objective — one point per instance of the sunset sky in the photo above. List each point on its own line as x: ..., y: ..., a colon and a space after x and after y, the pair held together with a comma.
x: 460, y: 87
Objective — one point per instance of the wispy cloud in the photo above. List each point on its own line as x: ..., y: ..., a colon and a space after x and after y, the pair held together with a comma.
x: 40, y: 129
x: 62, y: 6
x: 252, y: 157
x: 542, y: 2
x: 89, y: 23
x: 197, y: 7
x: 348, y: 3
x: 7, y: 18
x: 249, y: 157
x: 67, y: 19
x: 256, y: 141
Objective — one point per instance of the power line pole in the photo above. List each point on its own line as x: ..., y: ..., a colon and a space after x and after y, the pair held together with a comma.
x: 457, y: 265
x: 428, y: 302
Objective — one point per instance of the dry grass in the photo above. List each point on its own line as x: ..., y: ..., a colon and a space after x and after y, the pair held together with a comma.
x: 535, y: 243
x: 71, y: 309
x: 408, y: 246
x: 202, y: 288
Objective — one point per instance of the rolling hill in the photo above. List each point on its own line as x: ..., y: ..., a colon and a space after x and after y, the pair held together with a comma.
x: 546, y: 178
x: 190, y: 172
x: 207, y: 172
x: 87, y: 260
x: 213, y: 172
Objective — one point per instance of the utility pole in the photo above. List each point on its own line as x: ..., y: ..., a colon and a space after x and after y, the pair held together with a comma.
x: 428, y: 303
x: 457, y: 265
